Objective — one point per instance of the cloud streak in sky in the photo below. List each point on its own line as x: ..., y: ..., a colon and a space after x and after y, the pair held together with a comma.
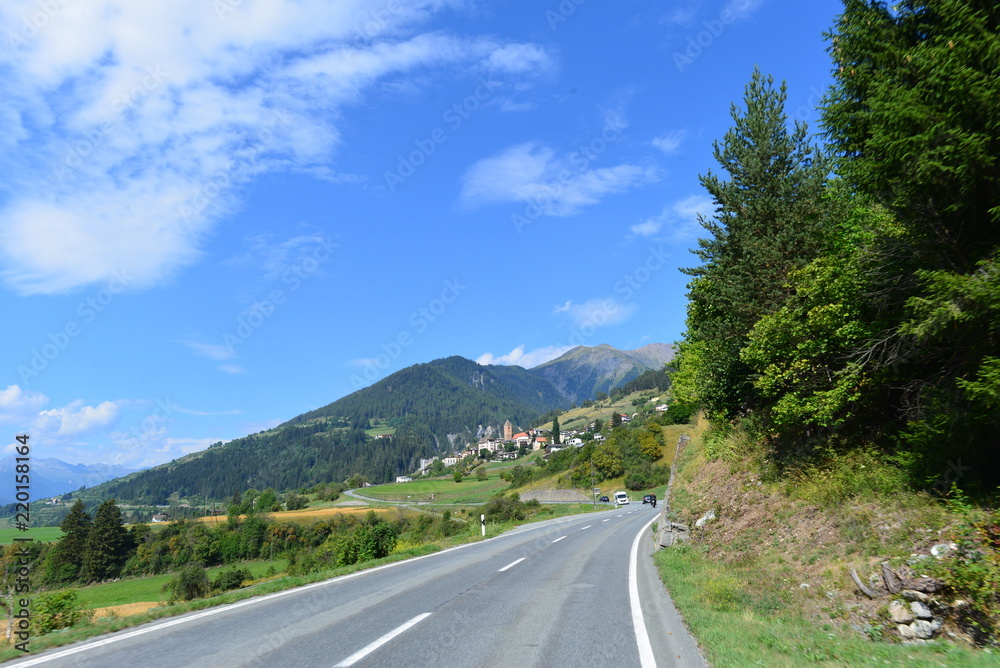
x: 560, y: 185
x: 130, y: 127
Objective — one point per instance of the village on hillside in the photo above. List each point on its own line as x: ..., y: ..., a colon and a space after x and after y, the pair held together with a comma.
x: 511, y: 446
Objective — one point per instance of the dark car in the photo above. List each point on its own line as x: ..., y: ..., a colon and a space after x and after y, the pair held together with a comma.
x: 604, y: 499
x: 650, y: 498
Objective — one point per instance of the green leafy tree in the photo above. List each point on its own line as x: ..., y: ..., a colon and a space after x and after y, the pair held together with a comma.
x: 481, y: 474
x: 295, y: 501
x: 107, y: 547
x: 804, y: 354
x: 267, y: 501
x: 912, y: 120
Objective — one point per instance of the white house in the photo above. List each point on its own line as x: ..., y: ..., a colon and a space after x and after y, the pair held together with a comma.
x: 404, y: 478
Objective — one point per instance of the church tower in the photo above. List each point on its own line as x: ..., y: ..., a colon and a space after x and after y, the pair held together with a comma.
x: 508, y: 431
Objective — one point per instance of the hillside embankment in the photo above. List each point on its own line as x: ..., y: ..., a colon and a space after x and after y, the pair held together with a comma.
x: 841, y: 567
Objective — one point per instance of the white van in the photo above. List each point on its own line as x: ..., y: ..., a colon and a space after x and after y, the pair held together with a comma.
x: 621, y: 499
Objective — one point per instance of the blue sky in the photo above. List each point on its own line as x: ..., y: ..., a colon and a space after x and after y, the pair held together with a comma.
x: 215, y: 216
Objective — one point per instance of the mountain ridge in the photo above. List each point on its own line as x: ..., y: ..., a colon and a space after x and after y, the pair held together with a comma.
x: 425, y: 409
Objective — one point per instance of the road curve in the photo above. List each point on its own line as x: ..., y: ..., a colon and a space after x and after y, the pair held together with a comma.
x: 564, y: 592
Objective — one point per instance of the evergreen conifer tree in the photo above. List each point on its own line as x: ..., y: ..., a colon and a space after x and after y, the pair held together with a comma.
x: 66, y: 559
x: 767, y: 218
x: 107, y: 546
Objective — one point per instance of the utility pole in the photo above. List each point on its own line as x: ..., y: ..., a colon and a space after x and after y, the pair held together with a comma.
x: 592, y: 487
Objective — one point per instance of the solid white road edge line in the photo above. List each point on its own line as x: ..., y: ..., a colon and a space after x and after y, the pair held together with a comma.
x: 646, y: 658
x: 511, y: 564
x: 368, y: 649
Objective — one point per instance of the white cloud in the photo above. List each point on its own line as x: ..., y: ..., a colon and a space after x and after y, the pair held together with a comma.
x: 213, y: 351
x: 598, y: 312
x: 520, y: 59
x: 681, y: 14
x: 556, y: 185
x: 647, y: 228
x: 18, y: 405
x: 271, y: 259
x: 670, y: 142
x: 147, y: 118
x: 678, y: 222
x: 741, y: 9
x: 528, y: 360
x: 76, y: 419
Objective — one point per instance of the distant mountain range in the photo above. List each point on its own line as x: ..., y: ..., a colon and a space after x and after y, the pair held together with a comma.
x: 583, y: 372
x: 53, y: 477
x: 433, y: 407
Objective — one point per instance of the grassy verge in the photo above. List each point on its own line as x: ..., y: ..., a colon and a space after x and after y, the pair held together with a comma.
x: 767, y: 582
x: 150, y: 588
x: 741, y: 616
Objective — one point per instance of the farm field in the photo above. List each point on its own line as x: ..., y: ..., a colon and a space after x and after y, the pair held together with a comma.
x: 41, y: 534
x: 149, y: 588
x: 304, y: 516
x: 439, y: 490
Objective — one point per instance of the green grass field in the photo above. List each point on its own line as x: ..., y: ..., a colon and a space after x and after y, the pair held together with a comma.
x: 42, y: 534
x: 150, y: 588
x: 443, y: 490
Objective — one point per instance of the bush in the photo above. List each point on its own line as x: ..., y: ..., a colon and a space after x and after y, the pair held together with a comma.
x: 295, y: 502
x: 189, y: 584
x: 646, y: 476
x: 501, y: 508
x: 232, y: 578
x: 366, y: 542
x: 58, y: 610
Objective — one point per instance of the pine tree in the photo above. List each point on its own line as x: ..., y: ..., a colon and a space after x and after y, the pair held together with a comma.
x: 555, y: 430
x: 66, y: 559
x: 767, y: 222
x: 107, y: 546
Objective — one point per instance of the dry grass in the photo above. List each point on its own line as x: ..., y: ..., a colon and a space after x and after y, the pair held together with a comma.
x: 126, y: 610
x: 307, y: 515
x: 797, y: 552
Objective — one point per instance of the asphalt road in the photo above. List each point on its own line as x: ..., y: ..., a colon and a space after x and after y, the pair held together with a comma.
x: 577, y: 591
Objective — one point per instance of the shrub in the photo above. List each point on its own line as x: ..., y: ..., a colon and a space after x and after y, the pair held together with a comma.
x: 646, y: 476
x: 502, y: 508
x: 365, y: 542
x: 58, y: 610
x: 189, y: 584
x: 232, y: 578
x: 295, y: 502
